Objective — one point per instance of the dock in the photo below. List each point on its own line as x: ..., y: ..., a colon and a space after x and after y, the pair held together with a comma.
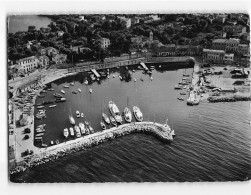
x: 143, y: 65
x: 95, y: 72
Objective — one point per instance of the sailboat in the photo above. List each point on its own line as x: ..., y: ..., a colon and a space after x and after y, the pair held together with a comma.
x: 127, y: 113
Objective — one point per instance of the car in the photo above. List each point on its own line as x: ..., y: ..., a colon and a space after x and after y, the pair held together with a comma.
x: 26, y: 137
x: 27, y: 130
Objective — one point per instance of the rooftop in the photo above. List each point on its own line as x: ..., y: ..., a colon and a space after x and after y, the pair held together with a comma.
x: 219, y: 41
x: 213, y: 50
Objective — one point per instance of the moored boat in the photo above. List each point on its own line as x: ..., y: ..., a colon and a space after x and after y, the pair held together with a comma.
x: 62, y: 91
x: 102, y: 125
x: 82, y: 115
x: 180, y: 98
x: 113, y: 121
x: 66, y: 133
x: 71, y: 131
x: 72, y: 121
x: 82, y: 128
x: 79, y: 90
x: 77, y: 130
x: 77, y: 114
x: 40, y: 106
x: 106, y: 118
x: 127, y: 115
x: 66, y: 86
x: 86, y: 82
x: 72, y: 84
x: 115, y: 111
x: 90, y: 90
x: 57, y: 95
x: 52, y: 106
x: 90, y: 129
x: 137, y: 113
x: 86, y: 123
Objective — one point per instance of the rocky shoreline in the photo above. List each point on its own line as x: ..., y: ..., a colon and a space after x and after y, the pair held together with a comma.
x: 229, y: 99
x: 163, y: 133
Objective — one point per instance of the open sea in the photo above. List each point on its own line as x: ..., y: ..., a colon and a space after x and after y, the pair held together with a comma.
x: 212, y: 140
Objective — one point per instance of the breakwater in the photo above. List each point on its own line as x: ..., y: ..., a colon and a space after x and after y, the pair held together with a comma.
x: 234, y: 98
x: 162, y: 132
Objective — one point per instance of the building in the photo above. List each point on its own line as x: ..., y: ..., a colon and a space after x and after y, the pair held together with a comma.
x: 105, y: 42
x: 229, y: 58
x: 236, y: 30
x: 59, y: 58
x: 136, y: 39
x: 243, y: 49
x: 51, y: 51
x: 45, y: 31
x: 31, y: 28
x: 219, y: 44
x: 126, y: 20
x: 43, y: 61
x: 134, y: 21
x: 28, y: 64
x: 60, y: 33
x: 167, y: 50
x: 214, y: 56
x: 232, y: 45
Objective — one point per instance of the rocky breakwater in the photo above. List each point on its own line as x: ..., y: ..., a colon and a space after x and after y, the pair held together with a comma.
x: 234, y: 98
x: 162, y: 132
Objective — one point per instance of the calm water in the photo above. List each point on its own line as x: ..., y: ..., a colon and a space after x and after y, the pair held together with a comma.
x: 212, y: 141
x: 21, y: 23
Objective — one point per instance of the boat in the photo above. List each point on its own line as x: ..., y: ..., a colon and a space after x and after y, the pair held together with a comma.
x: 113, y: 76
x: 108, y: 77
x: 74, y: 92
x: 182, y: 93
x: 79, y: 90
x: 78, y: 114
x: 51, y: 89
x: 40, y: 95
x: 141, y: 79
x: 52, y: 106
x: 177, y: 87
x: 39, y: 134
x: 90, y: 90
x: 86, y: 82
x: 71, y: 131
x: 113, y: 121
x: 72, y: 121
x: 91, y: 129
x: 106, y: 118
x: 48, y: 102
x: 102, y: 125
x: 133, y: 70
x: 40, y: 106
x: 82, y: 115
x: 127, y: 115
x: 41, y: 125
x: 62, y: 91
x: 38, y: 138
x: 159, y: 66
x: 86, y: 123
x: 152, y: 68
x: 184, y: 87
x: 52, y: 143
x: 134, y: 80
x: 40, y: 130
x: 120, y: 77
x: 57, y: 141
x: 57, y: 95
x: 151, y: 78
x: 115, y: 111
x: 66, y: 86
x: 137, y: 113
x: 77, y: 130
x: 60, y: 100
x: 82, y: 128
x: 66, y: 133
x: 180, y: 98
x: 72, y: 84
x: 87, y: 132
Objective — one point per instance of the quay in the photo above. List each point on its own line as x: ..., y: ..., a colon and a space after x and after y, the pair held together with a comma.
x: 43, y: 155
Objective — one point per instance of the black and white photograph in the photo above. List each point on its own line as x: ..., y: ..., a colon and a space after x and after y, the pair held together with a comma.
x: 128, y: 97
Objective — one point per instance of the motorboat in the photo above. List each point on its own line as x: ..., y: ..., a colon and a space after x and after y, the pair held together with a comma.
x: 133, y: 70
x: 120, y: 77
x: 74, y: 92
x: 113, y: 121
x: 106, y: 118
x: 71, y: 131
x: 137, y: 113
x: 77, y: 130
x: 108, y: 77
x: 159, y: 66
x: 62, y: 91
x: 86, y: 123
x: 134, y: 79
x: 90, y: 90
x: 39, y: 134
x: 115, y: 111
x: 102, y: 124
x: 180, y: 98
x: 78, y: 114
x: 127, y: 115
x: 40, y: 106
x: 66, y: 86
x: 82, y: 115
x: 86, y: 82
x: 82, y: 128
x: 57, y: 142
x: 87, y: 131
x: 151, y: 78
x: 66, y: 133
x: 113, y: 76
x: 52, y: 106
x: 182, y: 93
x: 177, y: 87
x: 79, y: 90
x: 60, y: 100
x: 72, y: 84
x: 52, y: 142
x: 141, y: 79
x: 91, y: 129
x: 72, y: 121
x: 184, y: 87
x: 57, y: 95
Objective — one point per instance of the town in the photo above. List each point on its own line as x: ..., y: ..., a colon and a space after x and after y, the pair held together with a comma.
x: 216, y: 46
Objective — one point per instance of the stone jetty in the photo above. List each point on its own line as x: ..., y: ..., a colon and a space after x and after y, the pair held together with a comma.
x: 229, y: 99
x: 162, y: 132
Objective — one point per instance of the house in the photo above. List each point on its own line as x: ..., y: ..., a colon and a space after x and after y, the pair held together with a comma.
x: 182, y: 50
x: 229, y: 58
x: 134, y: 21
x: 219, y: 44
x: 136, y: 39
x: 51, y: 51
x: 59, y: 58
x: 215, y: 56
x: 105, y: 42
x: 126, y: 20
x: 43, y: 61
x: 81, y: 18
x: 28, y: 64
x: 167, y: 50
x: 237, y: 30
x: 31, y: 28
x: 243, y: 49
x: 155, y: 17
x: 232, y: 45
x: 60, y: 33
x: 45, y: 31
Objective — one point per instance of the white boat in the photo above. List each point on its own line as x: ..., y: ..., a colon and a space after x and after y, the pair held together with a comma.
x: 86, y: 82
x: 106, y: 118
x: 86, y: 123
x: 120, y: 77
x: 62, y: 91
x: 134, y: 79
x: 72, y: 84
x: 127, y: 115
x: 71, y: 131
x: 52, y: 106
x: 102, y: 125
x: 77, y: 130
x: 79, y: 90
x: 82, y: 128
x: 72, y: 121
x: 137, y: 113
x: 90, y: 90
x: 91, y: 129
x: 66, y: 133
x: 133, y: 70
x: 66, y: 86
x: 40, y: 106
x: 113, y: 76
x: 78, y: 114
x: 108, y: 77
x: 82, y: 114
x: 115, y: 111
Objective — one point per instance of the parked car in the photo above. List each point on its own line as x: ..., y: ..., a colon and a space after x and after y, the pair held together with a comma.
x: 26, y: 137
x: 27, y: 130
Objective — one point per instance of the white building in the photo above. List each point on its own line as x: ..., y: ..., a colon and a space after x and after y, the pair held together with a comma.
x: 229, y: 58
x: 126, y: 20
x: 243, y: 49
x: 28, y: 64
x: 105, y: 42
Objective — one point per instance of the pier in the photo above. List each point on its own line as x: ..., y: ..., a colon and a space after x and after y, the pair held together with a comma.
x: 43, y: 155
